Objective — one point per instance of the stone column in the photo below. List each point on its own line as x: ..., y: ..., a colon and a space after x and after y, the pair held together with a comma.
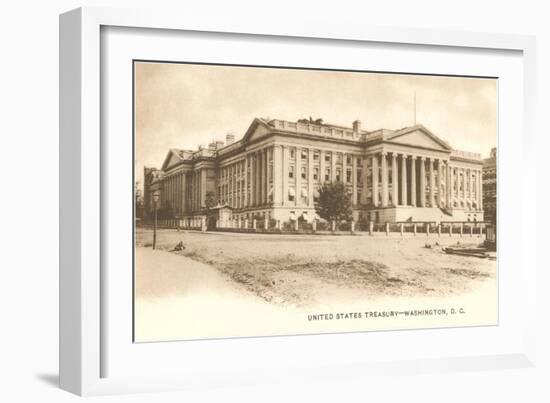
x: 260, y: 174
x: 184, y: 195
x: 310, y: 177
x: 384, y: 160
x: 404, y: 201
x: 284, y: 181
x: 322, y: 166
x: 232, y: 186
x: 257, y: 184
x: 472, y: 192
x: 365, y: 181
x: 269, y: 176
x: 354, y: 180
x: 394, y: 185
x: 252, y: 196
x: 432, y: 183
x: 277, y: 175
x: 450, y: 188
x: 422, y: 189
x: 374, y: 180
x: 298, y: 176
x: 245, y: 203
x: 234, y: 189
x: 203, y: 188
x: 344, y: 168
x: 480, y: 190
x: 439, y: 182
x: 463, y: 193
x: 265, y: 177
x: 333, y: 167
x: 413, y: 181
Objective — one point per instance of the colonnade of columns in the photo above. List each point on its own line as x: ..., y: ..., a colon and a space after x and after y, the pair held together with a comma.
x: 441, y: 186
x: 284, y: 175
x: 194, y: 191
x: 174, y: 192
x: 247, y: 181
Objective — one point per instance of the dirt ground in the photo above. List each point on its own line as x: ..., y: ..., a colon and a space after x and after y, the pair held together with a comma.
x: 306, y: 271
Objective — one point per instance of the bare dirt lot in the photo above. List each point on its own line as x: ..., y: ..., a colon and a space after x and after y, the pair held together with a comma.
x: 308, y: 270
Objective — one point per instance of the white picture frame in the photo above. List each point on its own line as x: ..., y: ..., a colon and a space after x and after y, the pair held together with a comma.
x: 82, y: 344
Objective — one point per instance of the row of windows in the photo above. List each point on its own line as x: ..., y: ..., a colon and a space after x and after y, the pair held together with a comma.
x: 327, y: 174
x: 328, y: 156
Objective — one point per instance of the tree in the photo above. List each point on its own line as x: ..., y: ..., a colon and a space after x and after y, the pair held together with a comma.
x: 334, y: 202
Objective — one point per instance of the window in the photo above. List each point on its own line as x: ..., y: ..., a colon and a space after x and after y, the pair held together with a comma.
x: 327, y: 174
x: 348, y: 160
x: 348, y: 175
x: 327, y: 157
x: 291, y: 194
x: 338, y: 158
x: 292, y: 153
x: 304, y: 155
x: 316, y: 195
x: 303, y: 195
x: 316, y: 156
x: 315, y: 174
x: 303, y: 172
x: 291, y: 171
x: 359, y: 162
x: 359, y: 176
x: 338, y: 174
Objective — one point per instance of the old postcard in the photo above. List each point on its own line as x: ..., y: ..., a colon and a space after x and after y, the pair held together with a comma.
x: 281, y: 201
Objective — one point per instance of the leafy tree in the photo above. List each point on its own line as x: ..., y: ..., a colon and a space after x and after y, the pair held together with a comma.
x: 334, y: 203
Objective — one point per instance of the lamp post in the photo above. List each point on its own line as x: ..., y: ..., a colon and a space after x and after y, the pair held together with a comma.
x: 156, y: 197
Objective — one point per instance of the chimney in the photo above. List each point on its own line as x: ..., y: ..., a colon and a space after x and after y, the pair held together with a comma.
x: 357, y: 126
x: 229, y: 138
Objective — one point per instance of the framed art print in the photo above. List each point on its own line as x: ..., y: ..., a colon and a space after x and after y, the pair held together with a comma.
x: 246, y: 196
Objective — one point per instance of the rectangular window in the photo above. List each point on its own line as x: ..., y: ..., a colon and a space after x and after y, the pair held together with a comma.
x: 359, y: 176
x: 338, y: 174
x: 316, y: 156
x: 359, y: 162
x: 327, y: 174
x: 338, y: 158
x: 292, y: 153
x: 327, y: 157
x: 291, y: 171
x: 348, y: 175
x: 290, y: 197
x: 304, y: 155
x: 315, y: 174
x: 303, y: 172
x: 348, y: 160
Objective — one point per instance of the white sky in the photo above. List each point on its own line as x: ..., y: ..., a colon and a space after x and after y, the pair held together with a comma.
x: 184, y: 106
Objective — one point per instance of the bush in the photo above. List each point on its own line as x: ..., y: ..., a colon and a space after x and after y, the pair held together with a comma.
x: 343, y: 226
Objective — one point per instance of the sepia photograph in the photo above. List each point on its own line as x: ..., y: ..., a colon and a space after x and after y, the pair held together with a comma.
x: 275, y: 201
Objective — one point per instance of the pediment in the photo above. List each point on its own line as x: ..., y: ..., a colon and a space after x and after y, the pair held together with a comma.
x: 419, y: 136
x: 257, y: 129
x: 172, y: 158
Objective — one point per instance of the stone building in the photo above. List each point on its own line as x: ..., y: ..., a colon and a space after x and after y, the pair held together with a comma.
x: 276, y: 168
x: 490, y: 187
